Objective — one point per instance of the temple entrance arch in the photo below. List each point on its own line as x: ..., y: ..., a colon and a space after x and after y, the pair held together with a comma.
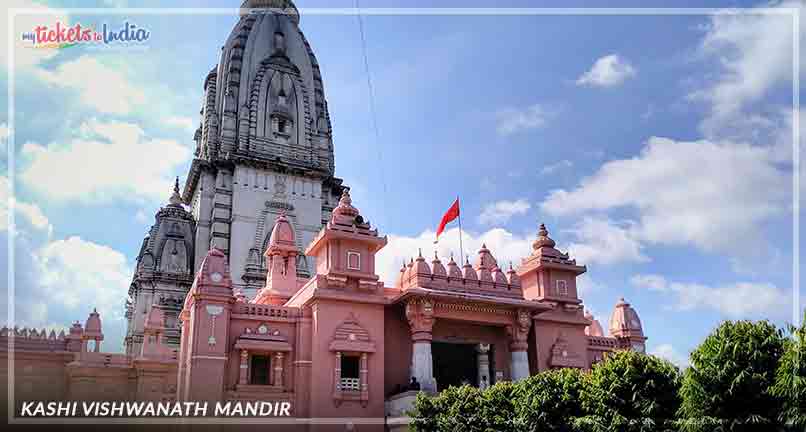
x: 454, y: 364
x: 458, y: 363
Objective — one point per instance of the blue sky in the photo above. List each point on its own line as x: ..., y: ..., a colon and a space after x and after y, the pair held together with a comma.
x: 657, y: 149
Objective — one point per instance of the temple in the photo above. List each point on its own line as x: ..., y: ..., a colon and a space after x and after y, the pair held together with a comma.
x: 258, y: 281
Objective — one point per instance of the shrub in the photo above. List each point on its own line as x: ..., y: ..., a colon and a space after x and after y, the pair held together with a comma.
x: 727, y: 386
x: 548, y: 401
x: 630, y: 391
x: 790, y: 379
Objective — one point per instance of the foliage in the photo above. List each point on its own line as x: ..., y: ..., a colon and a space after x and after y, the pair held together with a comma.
x: 727, y: 385
x: 466, y: 409
x: 548, y: 401
x: 630, y: 391
x: 790, y: 379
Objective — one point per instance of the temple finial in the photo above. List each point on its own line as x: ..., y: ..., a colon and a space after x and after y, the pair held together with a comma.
x: 176, y: 198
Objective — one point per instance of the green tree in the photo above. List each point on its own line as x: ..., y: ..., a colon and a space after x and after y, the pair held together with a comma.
x: 466, y: 409
x: 790, y: 379
x: 548, y: 401
x: 630, y: 391
x: 727, y: 386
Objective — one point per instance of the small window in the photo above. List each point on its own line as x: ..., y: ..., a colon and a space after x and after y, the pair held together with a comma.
x: 562, y: 288
x: 350, y: 373
x: 353, y: 261
x: 281, y: 125
x: 261, y: 365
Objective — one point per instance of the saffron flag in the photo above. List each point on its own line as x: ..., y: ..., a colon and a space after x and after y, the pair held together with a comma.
x: 448, y: 217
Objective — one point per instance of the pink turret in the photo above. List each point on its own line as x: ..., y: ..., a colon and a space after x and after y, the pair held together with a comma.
x: 205, y: 331
x: 92, y: 331
x: 281, y: 260
x: 594, y: 328
x: 625, y: 326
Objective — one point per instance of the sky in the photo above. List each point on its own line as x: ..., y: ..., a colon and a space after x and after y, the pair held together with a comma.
x: 658, y: 150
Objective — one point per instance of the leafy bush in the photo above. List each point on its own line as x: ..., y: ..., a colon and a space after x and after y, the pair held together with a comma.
x: 727, y: 386
x: 790, y: 379
x: 466, y: 409
x: 630, y: 391
x: 548, y: 401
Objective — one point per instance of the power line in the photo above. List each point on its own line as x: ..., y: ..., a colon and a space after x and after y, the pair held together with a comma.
x: 372, y: 111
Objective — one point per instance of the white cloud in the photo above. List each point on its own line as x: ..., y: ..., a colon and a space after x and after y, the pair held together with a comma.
x: 504, y: 245
x: 103, y: 87
x: 668, y: 352
x: 708, y: 194
x: 735, y: 300
x: 557, y: 166
x: 24, y: 55
x: 80, y: 275
x: 185, y: 123
x: 755, y: 54
x: 500, y: 212
x: 602, y: 241
x: 108, y: 160
x: 608, y: 71
x: 31, y: 213
x: 512, y: 120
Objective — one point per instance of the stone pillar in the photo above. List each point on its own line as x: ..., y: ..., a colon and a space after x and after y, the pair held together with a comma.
x: 422, y: 365
x: 483, y: 359
x: 337, y: 376
x: 420, y: 314
x: 278, y: 369
x: 518, y: 345
x: 519, y: 366
x: 243, y: 373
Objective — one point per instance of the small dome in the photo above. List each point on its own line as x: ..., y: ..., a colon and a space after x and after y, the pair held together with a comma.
x: 498, y: 276
x: 437, y: 268
x: 214, y: 269
x: 468, y: 272
x: 543, y: 239
x: 402, y: 276
x: 176, y: 198
x: 594, y: 329
x: 420, y: 266
x: 93, y: 324
x: 625, y: 320
x: 282, y: 234
x: 345, y: 213
x: 513, y: 277
x: 485, y: 259
x: 453, y: 269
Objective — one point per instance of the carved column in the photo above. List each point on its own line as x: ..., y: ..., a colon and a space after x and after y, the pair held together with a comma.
x: 483, y: 359
x: 243, y: 374
x: 518, y: 345
x: 364, y: 384
x: 420, y: 314
x: 278, y: 369
x: 337, y: 376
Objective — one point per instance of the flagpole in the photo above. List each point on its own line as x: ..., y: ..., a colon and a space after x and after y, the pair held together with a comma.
x: 461, y: 249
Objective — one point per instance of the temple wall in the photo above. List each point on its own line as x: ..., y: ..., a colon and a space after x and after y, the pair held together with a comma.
x: 327, y: 317
x: 397, y: 360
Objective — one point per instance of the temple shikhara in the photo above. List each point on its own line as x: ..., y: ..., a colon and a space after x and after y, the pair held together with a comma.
x: 257, y: 280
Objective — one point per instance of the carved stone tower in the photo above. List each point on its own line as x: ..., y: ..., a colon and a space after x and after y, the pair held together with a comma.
x: 163, y: 275
x: 264, y: 146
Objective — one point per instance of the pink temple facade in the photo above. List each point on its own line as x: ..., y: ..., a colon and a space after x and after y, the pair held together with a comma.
x: 340, y: 343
